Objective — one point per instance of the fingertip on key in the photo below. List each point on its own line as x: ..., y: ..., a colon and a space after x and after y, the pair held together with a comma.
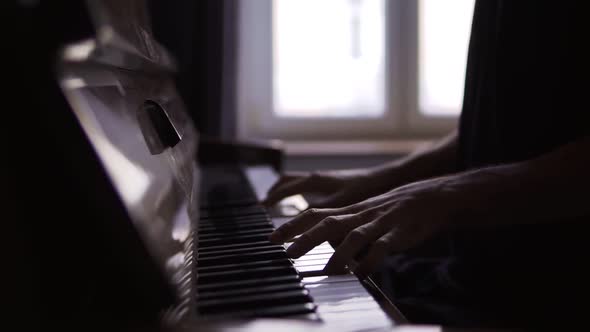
x: 294, y: 251
x: 276, y: 237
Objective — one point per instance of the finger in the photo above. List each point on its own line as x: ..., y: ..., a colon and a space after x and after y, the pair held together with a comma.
x: 329, y: 228
x: 298, y: 225
x: 285, y: 189
x: 341, y: 198
x: 335, y: 243
x: 367, y: 229
x: 285, y: 178
x: 355, y: 242
x: 365, y: 216
x: 378, y: 251
x: 297, y: 186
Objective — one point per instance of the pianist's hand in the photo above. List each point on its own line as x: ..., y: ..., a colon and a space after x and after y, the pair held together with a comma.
x: 334, y: 188
x: 395, y: 221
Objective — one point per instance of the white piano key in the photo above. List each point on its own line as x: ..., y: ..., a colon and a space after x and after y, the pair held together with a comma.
x: 315, y: 256
x: 350, y: 321
x: 311, y: 262
x: 330, y: 279
x: 329, y: 291
x: 312, y: 257
x: 322, y: 245
x: 320, y: 250
x: 313, y: 270
x: 337, y: 307
x: 334, y: 294
x: 318, y: 286
x: 335, y: 298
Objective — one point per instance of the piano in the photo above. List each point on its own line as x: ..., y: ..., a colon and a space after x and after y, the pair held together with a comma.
x: 223, y: 261
x: 176, y: 218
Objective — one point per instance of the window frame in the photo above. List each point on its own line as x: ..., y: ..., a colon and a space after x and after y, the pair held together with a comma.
x: 402, y: 118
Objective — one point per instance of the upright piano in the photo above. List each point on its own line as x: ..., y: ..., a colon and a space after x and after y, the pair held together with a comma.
x: 178, y: 215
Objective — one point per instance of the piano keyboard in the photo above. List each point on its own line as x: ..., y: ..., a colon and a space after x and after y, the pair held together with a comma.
x: 239, y: 273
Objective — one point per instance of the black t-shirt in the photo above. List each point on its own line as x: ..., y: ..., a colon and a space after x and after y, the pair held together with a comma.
x: 526, y: 89
x: 525, y: 95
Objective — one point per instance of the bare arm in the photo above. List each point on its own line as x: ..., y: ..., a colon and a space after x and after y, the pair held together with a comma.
x: 551, y: 188
x: 343, y: 187
x: 436, y: 160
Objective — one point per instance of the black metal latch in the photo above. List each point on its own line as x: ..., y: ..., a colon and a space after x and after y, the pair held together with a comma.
x: 157, y: 128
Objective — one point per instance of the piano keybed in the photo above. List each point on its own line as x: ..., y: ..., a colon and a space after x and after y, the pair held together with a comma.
x: 239, y: 273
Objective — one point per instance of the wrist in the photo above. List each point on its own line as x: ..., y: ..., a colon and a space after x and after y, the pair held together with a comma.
x: 475, y: 197
x: 385, y: 177
x: 452, y: 200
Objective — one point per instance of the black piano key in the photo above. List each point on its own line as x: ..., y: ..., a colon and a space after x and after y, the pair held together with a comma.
x: 224, y: 286
x: 234, y: 228
x: 211, y: 230
x: 239, y: 258
x: 247, y: 265
x: 239, y: 250
x: 232, y: 293
x: 207, y: 236
x: 208, y: 248
x: 234, y: 209
x: 230, y: 224
x: 219, y: 222
x: 224, y: 213
x: 238, y: 272
x: 244, y: 274
x: 247, y: 224
x: 258, y: 301
x: 228, y: 203
x: 237, y: 198
x: 229, y: 218
x: 232, y: 240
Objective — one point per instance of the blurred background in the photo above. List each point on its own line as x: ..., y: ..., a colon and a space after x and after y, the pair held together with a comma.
x: 341, y: 83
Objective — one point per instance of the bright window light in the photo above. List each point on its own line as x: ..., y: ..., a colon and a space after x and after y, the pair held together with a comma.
x: 445, y: 28
x: 329, y: 58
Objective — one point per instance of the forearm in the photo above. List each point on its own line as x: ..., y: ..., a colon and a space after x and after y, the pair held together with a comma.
x: 552, y: 187
x: 436, y: 160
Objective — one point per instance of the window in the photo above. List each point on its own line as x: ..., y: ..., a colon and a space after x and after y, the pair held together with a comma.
x: 351, y: 69
x: 333, y: 65
x: 444, y: 28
